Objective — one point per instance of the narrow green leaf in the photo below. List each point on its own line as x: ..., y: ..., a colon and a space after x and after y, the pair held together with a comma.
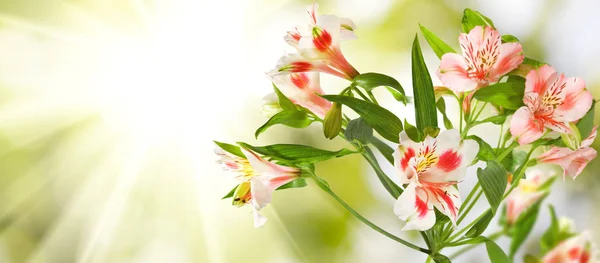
x: 295, y: 153
x: 523, y: 227
x: 284, y: 102
x: 486, y: 152
x: 437, y: 45
x: 472, y: 18
x: 505, y: 94
x: 493, y: 180
x: 509, y: 39
x: 359, y: 129
x: 332, y: 124
x: 495, y: 253
x: 478, y: 228
x: 413, y: 133
x: 550, y: 238
x: 369, y: 81
x: 471, y: 241
x: 230, y: 194
x: 398, y: 96
x: 425, y: 108
x: 586, y: 123
x: 498, y: 119
x: 384, y: 149
x: 441, y: 106
x: 233, y: 149
x: 440, y: 218
x: 298, y: 183
x: 381, y: 119
x: 389, y: 185
x: 294, y: 119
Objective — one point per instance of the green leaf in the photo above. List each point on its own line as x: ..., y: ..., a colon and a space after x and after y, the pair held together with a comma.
x: 332, y: 124
x: 495, y: 253
x: 369, y: 81
x: 531, y: 259
x: 294, y: 119
x: 439, y: 258
x: 440, y: 219
x: 506, y: 94
x: 586, y: 123
x: 295, y: 153
x: 425, y: 108
x: 486, y: 152
x: 514, y: 160
x: 509, y: 39
x: 413, y: 133
x: 384, y: 149
x: 523, y: 227
x: 233, y: 149
x: 399, y: 96
x: 493, y: 180
x: 441, y: 106
x: 284, y: 102
x: 298, y: 183
x: 381, y: 119
x: 437, y: 45
x: 471, y: 241
x: 550, y: 238
x: 230, y: 194
x: 389, y: 185
x: 472, y: 18
x: 525, y: 67
x: 498, y: 119
x: 359, y: 129
x: 478, y: 228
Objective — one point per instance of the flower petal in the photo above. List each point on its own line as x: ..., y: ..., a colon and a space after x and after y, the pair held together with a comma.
x: 260, y: 192
x: 587, y: 142
x: 303, y: 89
x: 511, y: 56
x: 525, y: 127
x: 347, y: 28
x: 577, y: 101
x: 537, y: 79
x: 259, y: 220
x: 453, y: 73
x: 579, y: 161
x: 447, y: 200
x: 267, y: 169
x: 412, y: 206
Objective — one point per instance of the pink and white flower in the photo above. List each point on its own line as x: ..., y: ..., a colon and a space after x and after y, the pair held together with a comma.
x: 431, y: 169
x: 527, y: 193
x: 258, y: 179
x: 484, y: 60
x: 303, y: 89
x: 319, y: 47
x: 551, y: 101
x: 573, y: 161
x: 577, y: 249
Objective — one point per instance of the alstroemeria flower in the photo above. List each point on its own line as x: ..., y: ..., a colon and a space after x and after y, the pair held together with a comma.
x: 527, y: 193
x: 551, y: 101
x: 577, y: 249
x: 319, y: 48
x: 431, y: 169
x: 258, y: 179
x: 573, y: 161
x: 484, y: 60
x: 303, y: 89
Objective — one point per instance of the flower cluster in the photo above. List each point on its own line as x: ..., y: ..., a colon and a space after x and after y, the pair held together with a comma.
x: 545, y: 122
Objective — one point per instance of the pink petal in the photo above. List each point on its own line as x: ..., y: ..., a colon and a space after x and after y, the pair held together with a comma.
x: 587, y: 142
x: 525, y: 127
x: 577, y: 102
x: 557, y: 126
x: 511, y: 56
x: 537, y: 79
x: 267, y: 169
x: 260, y: 192
x: 453, y: 73
x: 579, y: 161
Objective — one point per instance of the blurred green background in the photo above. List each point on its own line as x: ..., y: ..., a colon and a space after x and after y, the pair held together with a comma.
x: 108, y: 109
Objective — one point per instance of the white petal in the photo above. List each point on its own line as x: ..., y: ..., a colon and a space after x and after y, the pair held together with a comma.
x: 447, y: 201
x: 406, y: 209
x: 259, y: 220
x: 261, y: 192
x: 405, y: 205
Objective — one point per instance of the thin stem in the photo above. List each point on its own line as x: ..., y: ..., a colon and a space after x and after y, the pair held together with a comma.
x: 507, y: 151
x: 468, y: 209
x: 520, y: 173
x: 492, y: 237
x: 467, y: 227
x: 500, y: 138
x: 363, y: 219
x: 479, y: 112
x: 389, y: 185
x: 361, y: 94
x: 372, y: 97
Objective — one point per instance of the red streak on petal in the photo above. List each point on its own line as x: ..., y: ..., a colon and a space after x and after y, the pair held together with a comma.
x: 422, y: 208
x: 322, y: 41
x: 449, y: 161
x: 585, y: 257
x: 301, y: 66
x: 410, y: 153
x: 300, y: 80
x: 574, y: 253
x: 447, y: 200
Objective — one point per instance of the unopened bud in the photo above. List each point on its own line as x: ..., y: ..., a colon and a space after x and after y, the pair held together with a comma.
x: 332, y: 124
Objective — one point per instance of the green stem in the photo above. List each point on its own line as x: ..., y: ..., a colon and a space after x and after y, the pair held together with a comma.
x: 464, y: 229
x: 479, y: 112
x: 363, y: 219
x: 500, y: 138
x: 362, y: 95
x: 492, y: 237
x: 372, y: 97
x: 520, y: 173
x: 389, y: 185
x: 468, y: 209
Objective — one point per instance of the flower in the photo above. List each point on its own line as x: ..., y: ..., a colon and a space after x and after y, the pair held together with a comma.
x: 318, y: 47
x: 551, y: 101
x: 573, y: 161
x: 271, y: 106
x: 258, y: 179
x: 577, y: 249
x: 529, y: 191
x: 431, y: 169
x: 303, y: 89
x: 484, y: 60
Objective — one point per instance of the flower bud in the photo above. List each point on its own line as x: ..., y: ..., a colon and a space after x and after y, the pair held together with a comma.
x: 573, y: 139
x: 332, y: 124
x: 271, y: 106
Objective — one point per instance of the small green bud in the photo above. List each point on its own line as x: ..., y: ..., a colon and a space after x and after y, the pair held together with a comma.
x: 573, y: 139
x: 332, y: 124
x: 431, y: 131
